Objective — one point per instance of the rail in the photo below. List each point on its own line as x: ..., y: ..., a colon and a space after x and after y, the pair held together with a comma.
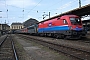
x: 14, y: 50
x: 3, y: 41
x: 74, y: 52
x: 7, y: 49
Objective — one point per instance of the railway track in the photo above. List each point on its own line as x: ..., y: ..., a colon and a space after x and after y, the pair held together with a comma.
x: 71, y: 51
x: 7, y: 49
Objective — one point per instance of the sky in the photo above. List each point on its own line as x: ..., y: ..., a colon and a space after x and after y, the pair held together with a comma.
x: 22, y: 10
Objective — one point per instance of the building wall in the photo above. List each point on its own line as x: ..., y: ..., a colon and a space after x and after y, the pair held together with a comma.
x: 16, y: 27
x: 4, y: 27
x: 0, y: 26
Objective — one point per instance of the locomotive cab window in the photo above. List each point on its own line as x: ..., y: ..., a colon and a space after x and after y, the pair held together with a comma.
x: 65, y: 22
x: 75, y: 21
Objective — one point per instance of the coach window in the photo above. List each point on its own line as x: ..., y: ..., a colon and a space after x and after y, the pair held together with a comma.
x: 65, y: 22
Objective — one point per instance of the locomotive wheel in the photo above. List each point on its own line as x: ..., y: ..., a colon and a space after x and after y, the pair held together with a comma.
x: 57, y: 36
x: 67, y: 37
x: 41, y: 35
x: 60, y: 36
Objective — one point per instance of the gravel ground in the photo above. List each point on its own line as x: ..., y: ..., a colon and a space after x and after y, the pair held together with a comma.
x: 81, y: 44
x: 88, y: 34
x: 22, y: 55
x: 2, y: 37
x: 33, y: 51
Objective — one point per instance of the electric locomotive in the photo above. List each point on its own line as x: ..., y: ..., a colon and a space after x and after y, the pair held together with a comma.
x: 67, y: 26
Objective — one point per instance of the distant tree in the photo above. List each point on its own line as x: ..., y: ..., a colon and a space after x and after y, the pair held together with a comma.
x: 29, y: 22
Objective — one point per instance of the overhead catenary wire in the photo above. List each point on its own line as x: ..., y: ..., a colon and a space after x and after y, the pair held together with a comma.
x: 35, y: 6
x: 62, y: 7
x: 23, y: 9
x: 6, y: 11
x: 55, y: 9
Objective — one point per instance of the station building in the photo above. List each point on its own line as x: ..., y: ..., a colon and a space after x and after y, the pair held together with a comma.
x: 16, y: 26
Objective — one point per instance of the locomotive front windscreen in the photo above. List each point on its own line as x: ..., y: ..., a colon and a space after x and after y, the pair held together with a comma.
x: 75, y: 21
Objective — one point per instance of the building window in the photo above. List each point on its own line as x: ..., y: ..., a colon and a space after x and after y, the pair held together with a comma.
x: 19, y: 27
x: 12, y: 27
